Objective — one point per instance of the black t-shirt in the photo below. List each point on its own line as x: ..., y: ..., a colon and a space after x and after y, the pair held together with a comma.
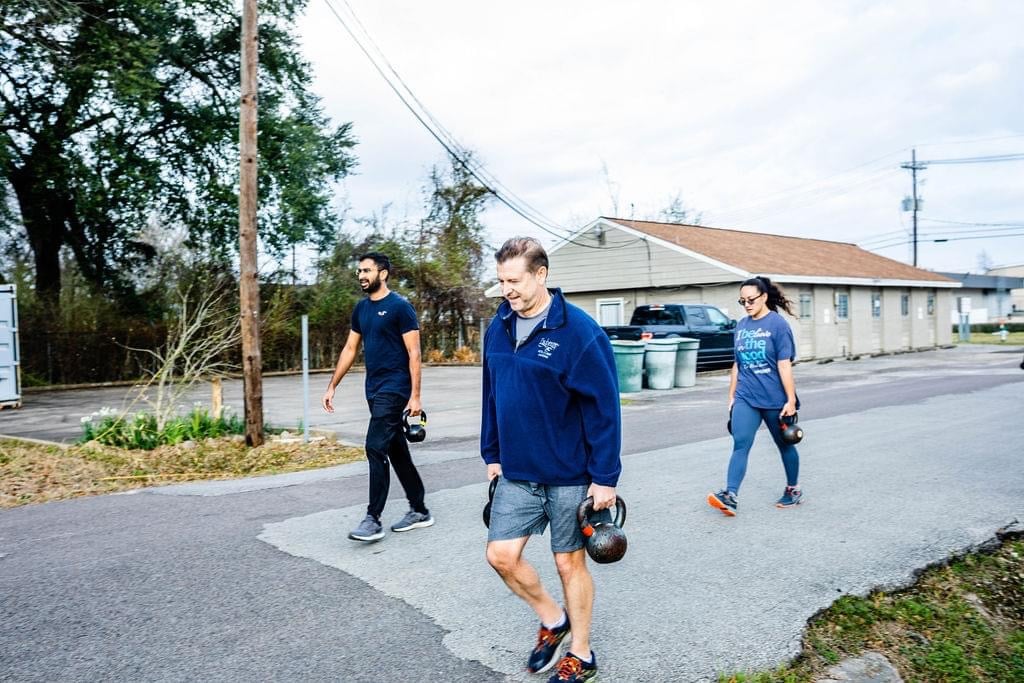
x: 382, y: 324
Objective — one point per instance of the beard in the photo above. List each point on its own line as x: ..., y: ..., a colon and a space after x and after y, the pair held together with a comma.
x: 372, y: 286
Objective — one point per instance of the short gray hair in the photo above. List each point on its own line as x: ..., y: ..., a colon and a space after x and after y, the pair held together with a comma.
x: 527, y: 247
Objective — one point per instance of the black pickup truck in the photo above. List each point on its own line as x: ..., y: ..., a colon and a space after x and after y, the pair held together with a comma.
x: 697, y: 321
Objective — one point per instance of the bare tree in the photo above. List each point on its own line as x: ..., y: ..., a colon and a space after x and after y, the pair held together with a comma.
x: 199, y: 345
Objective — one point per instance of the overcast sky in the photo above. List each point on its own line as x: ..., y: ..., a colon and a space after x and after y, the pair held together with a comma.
x: 789, y: 118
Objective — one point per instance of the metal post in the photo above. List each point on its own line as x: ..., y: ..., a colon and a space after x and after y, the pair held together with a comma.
x: 305, y: 379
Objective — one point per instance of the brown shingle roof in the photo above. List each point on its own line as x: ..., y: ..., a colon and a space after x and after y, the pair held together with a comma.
x: 757, y: 252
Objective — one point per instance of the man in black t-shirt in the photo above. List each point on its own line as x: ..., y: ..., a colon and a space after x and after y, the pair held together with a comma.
x: 386, y: 324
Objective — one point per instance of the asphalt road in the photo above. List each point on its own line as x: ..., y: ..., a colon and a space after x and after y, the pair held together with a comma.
x: 907, y: 460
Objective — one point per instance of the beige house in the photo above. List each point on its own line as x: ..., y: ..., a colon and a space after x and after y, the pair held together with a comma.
x: 847, y: 301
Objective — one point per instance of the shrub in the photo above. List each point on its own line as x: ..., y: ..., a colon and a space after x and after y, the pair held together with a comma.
x: 140, y: 431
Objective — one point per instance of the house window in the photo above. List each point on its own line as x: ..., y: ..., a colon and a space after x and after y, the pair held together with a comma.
x: 931, y: 304
x: 842, y: 306
x: 609, y: 312
x: 876, y: 305
x: 806, y: 307
x: 905, y: 305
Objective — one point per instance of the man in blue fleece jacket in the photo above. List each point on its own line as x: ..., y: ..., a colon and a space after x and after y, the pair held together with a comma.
x: 551, y: 431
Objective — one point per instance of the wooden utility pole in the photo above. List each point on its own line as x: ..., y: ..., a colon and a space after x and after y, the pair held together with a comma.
x: 252, y: 358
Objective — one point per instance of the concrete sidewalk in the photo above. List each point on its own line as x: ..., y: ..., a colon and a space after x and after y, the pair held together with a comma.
x: 698, y: 593
x: 907, y: 460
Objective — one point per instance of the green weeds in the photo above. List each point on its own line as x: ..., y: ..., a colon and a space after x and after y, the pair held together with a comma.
x: 961, y: 623
x: 142, y: 431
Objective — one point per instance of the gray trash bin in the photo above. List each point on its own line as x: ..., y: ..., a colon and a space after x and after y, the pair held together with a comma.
x: 660, y: 362
x: 686, y: 362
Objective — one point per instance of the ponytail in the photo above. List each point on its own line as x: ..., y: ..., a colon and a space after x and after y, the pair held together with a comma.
x: 776, y: 299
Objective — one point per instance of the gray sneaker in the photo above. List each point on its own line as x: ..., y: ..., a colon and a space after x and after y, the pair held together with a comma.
x: 413, y: 520
x: 368, y: 530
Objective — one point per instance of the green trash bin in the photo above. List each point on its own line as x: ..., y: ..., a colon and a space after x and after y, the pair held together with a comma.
x: 660, y: 360
x: 629, y: 364
x: 686, y: 362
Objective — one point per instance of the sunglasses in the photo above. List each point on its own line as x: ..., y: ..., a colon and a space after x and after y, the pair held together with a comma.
x: 749, y: 302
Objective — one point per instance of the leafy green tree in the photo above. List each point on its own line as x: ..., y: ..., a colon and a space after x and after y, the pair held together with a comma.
x: 450, y: 246
x: 116, y: 112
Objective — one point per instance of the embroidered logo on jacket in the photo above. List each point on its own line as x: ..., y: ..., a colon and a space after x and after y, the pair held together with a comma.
x: 382, y: 313
x: 545, y: 347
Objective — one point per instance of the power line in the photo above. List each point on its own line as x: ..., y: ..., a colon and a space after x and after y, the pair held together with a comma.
x: 993, y: 158
x: 449, y: 145
x: 456, y: 150
x: 940, y: 239
x: 914, y: 166
x: 993, y: 229
x: 806, y: 188
x: 824, y: 194
x: 1019, y: 224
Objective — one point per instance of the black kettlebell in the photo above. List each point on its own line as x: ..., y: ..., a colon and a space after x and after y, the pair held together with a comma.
x: 606, y: 542
x: 490, y: 499
x: 414, y: 433
x: 791, y: 432
x: 728, y: 425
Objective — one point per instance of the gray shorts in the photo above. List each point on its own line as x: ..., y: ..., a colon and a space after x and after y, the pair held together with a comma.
x: 522, y: 508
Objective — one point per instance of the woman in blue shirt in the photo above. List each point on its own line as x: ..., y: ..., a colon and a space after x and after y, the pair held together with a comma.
x: 761, y: 389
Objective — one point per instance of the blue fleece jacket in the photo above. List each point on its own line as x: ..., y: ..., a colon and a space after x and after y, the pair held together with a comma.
x: 551, y: 408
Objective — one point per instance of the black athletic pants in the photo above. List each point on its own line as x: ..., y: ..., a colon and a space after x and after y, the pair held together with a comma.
x: 385, y: 440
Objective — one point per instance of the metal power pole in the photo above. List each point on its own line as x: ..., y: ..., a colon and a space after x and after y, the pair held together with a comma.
x: 249, y: 286
x: 914, y: 168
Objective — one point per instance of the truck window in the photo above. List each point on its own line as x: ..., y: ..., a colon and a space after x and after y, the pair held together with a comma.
x: 655, y: 316
x: 696, y: 315
x: 716, y: 316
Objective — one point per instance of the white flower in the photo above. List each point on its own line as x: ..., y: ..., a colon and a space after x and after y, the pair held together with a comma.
x: 86, y: 419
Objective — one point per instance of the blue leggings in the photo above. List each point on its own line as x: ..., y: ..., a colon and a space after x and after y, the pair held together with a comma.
x: 745, y: 421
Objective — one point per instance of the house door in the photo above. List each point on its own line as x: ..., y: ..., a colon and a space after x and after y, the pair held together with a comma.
x: 610, y: 312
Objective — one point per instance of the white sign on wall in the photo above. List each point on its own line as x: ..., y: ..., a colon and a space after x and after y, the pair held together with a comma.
x: 826, y: 314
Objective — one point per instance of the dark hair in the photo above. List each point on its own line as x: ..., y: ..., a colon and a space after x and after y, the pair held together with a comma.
x: 382, y: 261
x: 527, y: 247
x: 776, y: 299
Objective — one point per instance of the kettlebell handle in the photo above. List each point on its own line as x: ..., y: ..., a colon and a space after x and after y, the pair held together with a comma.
x: 490, y: 501
x: 586, y: 509
x: 788, y: 419
x: 422, y: 416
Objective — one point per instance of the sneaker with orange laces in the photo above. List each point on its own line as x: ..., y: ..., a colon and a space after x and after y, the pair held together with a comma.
x: 573, y: 669
x: 548, y: 641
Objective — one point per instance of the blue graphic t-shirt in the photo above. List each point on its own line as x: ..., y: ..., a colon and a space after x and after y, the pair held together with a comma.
x: 382, y: 324
x: 760, y: 345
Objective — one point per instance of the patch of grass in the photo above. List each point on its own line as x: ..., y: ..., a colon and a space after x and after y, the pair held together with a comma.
x: 1012, y: 339
x: 962, y: 623
x: 31, y: 473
